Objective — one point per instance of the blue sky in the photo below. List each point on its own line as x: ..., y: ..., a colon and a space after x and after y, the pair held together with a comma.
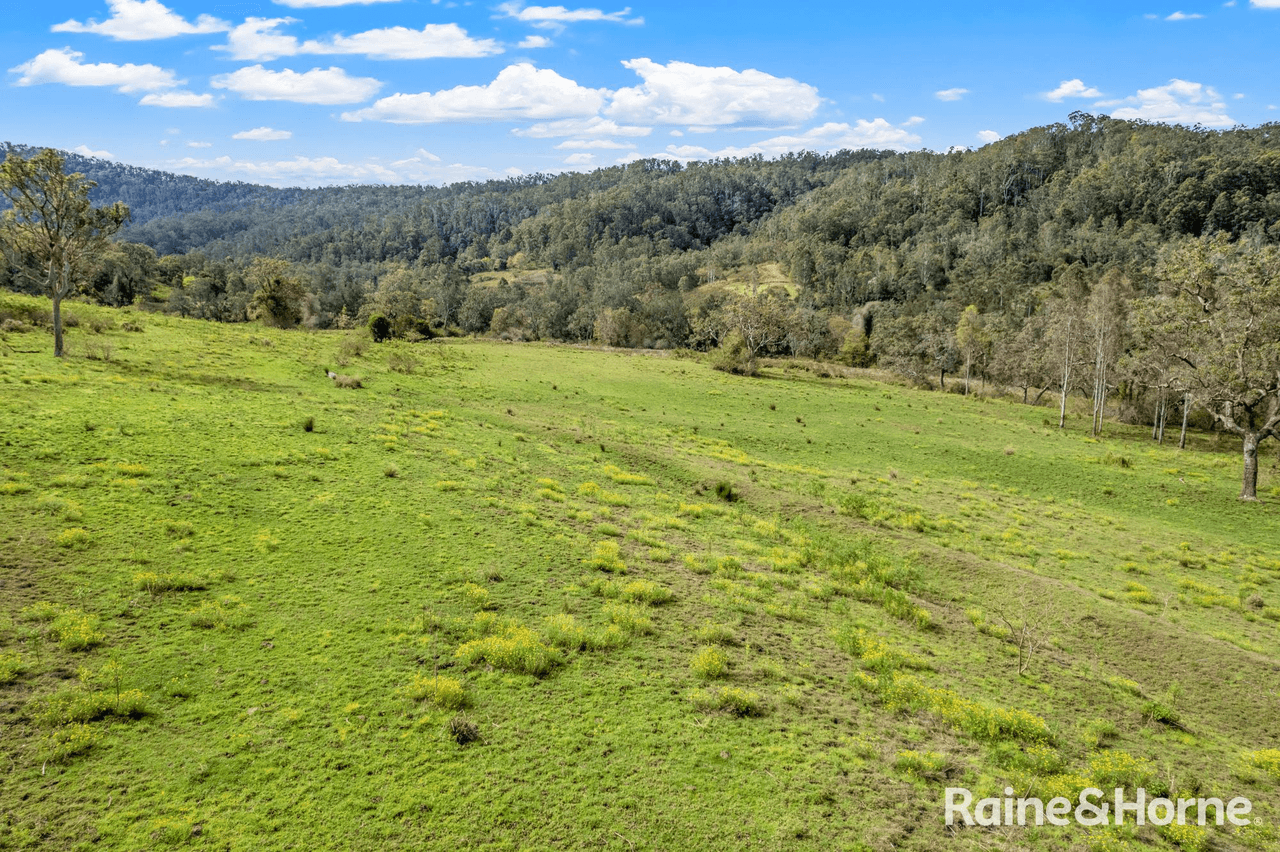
x: 315, y: 92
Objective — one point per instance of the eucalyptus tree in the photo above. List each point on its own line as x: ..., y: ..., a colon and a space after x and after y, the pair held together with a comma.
x: 52, y: 234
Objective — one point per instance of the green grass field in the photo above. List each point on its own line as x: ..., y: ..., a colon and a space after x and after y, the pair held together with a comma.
x: 538, y: 597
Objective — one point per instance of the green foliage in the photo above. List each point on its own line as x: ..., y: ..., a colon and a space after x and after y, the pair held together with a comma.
x: 380, y: 328
x: 517, y: 650
x: 447, y: 693
x: 710, y: 663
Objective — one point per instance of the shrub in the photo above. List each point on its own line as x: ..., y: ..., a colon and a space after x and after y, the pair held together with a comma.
x: 710, y: 663
x: 447, y: 693
x: 347, y: 382
x: 477, y: 597
x: 724, y: 490
x: 379, y: 328
x: 1111, y: 769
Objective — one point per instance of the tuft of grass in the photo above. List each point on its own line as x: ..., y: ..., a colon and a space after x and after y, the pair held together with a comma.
x: 605, y: 557
x: 725, y: 491
x: 447, y: 693
x: 225, y: 613
x: 11, y: 668
x: 731, y: 699
x: 710, y: 663
x: 462, y: 730
x: 518, y: 650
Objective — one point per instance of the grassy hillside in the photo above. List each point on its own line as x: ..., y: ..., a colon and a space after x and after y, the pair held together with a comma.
x: 246, y: 608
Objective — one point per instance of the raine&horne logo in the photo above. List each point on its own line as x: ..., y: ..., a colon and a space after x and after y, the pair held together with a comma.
x: 1090, y: 809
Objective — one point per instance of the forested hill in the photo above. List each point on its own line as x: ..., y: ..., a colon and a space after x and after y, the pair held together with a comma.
x: 917, y: 236
x: 151, y: 194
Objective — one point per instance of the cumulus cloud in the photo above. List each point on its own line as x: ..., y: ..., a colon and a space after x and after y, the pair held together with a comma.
x: 519, y: 92
x: 177, y: 100
x: 1071, y: 89
x: 556, y: 17
x: 533, y: 42
x: 988, y: 136
x: 950, y: 94
x: 263, y: 134
x: 913, y: 121
x: 422, y: 155
x: 142, y: 20
x: 595, y: 126
x: 583, y: 159
x: 1265, y: 4
x: 64, y: 66
x: 702, y: 96
x: 260, y: 39
x: 317, y: 86
x: 1183, y: 16
x: 86, y: 151
x: 1179, y: 102
x: 199, y: 144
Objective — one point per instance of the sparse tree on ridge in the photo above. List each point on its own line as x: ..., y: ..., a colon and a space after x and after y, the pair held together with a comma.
x: 53, y: 234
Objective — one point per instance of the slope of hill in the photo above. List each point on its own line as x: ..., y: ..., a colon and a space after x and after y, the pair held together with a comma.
x: 246, y: 607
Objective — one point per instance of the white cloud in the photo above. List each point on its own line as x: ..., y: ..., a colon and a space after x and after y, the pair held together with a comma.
x: 877, y: 98
x: 1238, y: 96
x: 1183, y: 16
x: 1265, y: 4
x: 257, y: 39
x: 86, y: 151
x: 318, y: 4
x: 141, y: 20
x: 950, y: 94
x: 199, y: 144
x: 519, y: 92
x: 580, y: 159
x: 64, y: 66
x: 430, y: 42
x: 595, y: 126
x: 422, y: 155
x: 988, y: 136
x: 317, y: 86
x: 534, y: 41
x: 682, y: 93
x: 260, y: 39
x: 555, y: 17
x: 1179, y: 102
x: 263, y: 134
x: 913, y: 121
x: 177, y: 100
x: 588, y: 144
x: 1071, y: 89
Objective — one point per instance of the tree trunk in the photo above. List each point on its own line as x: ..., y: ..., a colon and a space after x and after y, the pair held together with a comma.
x: 1249, y: 489
x: 57, y: 326
x: 1186, y: 407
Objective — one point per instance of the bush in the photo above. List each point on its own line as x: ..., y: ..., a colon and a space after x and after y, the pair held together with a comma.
x: 226, y: 613
x: 380, y: 328
x: 605, y: 558
x: 631, y: 619
x: 63, y: 708
x: 725, y: 492
x: 68, y: 742
x: 154, y: 583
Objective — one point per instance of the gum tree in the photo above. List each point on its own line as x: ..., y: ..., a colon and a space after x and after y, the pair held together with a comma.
x: 52, y: 234
x: 1218, y: 317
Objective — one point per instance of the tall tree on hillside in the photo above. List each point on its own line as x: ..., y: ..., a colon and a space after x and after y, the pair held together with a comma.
x: 278, y: 294
x: 52, y: 234
x: 1219, y: 312
x: 972, y: 339
x: 1106, y: 319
